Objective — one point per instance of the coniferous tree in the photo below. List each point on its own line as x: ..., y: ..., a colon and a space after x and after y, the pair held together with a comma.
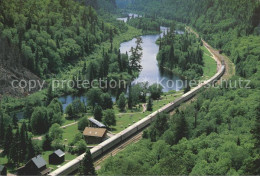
x: 15, y: 121
x: 130, y: 98
x: 30, y: 150
x: 23, y: 142
x: 86, y: 165
x: 122, y: 102
x: 2, y: 129
x: 150, y: 104
x: 14, y: 153
x: 171, y: 57
x: 49, y: 94
x: 98, y: 114
x: 136, y: 56
x: 8, y: 140
x: 119, y: 61
x: 46, y: 144
x: 181, y: 128
x: 256, y: 136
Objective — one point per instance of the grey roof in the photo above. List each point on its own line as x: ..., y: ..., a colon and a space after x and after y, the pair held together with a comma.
x: 99, y: 124
x: 39, y: 161
x: 1, y: 168
x: 59, y: 153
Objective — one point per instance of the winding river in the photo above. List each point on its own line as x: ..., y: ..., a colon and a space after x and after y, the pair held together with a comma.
x: 150, y: 72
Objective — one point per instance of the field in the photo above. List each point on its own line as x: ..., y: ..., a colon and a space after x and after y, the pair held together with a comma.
x: 210, y: 65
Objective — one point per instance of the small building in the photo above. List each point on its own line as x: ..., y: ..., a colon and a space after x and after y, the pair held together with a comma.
x: 95, y: 123
x: 3, y: 170
x: 94, y: 135
x: 36, y: 166
x: 57, y: 157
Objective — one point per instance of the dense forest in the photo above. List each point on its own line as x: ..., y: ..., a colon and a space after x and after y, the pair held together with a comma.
x: 226, y: 25
x: 51, y: 37
x: 51, y: 34
x: 181, y: 54
x: 218, y: 133
x: 211, y: 136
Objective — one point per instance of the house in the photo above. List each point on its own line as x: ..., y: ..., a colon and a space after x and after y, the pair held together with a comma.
x: 36, y: 166
x: 96, y: 124
x: 3, y: 170
x: 95, y: 135
x: 57, y: 157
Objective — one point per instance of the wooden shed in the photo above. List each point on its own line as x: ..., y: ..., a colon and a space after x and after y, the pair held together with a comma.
x: 3, y: 170
x: 57, y: 157
x: 36, y: 166
x: 95, y: 135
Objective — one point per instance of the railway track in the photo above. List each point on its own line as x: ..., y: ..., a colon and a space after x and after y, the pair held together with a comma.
x: 133, y: 133
x: 135, y: 138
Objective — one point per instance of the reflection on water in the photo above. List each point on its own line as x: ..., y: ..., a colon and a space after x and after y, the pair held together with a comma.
x: 151, y: 72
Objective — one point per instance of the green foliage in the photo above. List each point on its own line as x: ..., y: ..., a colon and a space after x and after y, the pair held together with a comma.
x: 106, y: 100
x: 109, y: 118
x: 201, y: 140
x: 181, y: 54
x: 79, y: 147
x: 57, y: 144
x: 39, y: 120
x: 135, y: 58
x: 150, y: 104
x: 146, y: 24
x: 98, y: 113
x: 61, y: 34
x: 226, y: 24
x: 56, y: 132
x: 83, y: 123
x: 74, y: 109
x: 94, y: 97
x: 46, y: 143
x: 121, y: 102
x: 155, y: 91
x: 86, y: 165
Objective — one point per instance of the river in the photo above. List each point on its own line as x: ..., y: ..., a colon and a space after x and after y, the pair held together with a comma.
x: 151, y: 72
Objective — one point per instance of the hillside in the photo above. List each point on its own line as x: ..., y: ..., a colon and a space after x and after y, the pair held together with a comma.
x: 218, y: 132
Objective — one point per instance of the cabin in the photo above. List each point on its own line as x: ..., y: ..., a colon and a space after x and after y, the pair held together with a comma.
x: 96, y: 124
x: 57, y: 157
x: 3, y: 170
x: 94, y: 135
x: 36, y: 166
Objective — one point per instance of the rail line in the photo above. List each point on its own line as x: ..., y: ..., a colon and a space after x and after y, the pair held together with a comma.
x: 125, y: 137
x: 135, y: 138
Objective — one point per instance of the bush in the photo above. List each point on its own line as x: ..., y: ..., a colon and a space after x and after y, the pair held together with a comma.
x: 83, y: 123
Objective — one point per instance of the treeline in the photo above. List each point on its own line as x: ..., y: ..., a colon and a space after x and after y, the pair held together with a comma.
x: 181, y: 54
x: 212, y: 135
x: 52, y: 34
x: 146, y: 24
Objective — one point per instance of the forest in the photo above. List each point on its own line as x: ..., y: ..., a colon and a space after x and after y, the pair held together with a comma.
x: 181, y: 54
x: 218, y: 132
x: 52, y: 34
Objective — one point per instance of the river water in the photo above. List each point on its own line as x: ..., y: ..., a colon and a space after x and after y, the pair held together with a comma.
x: 151, y: 72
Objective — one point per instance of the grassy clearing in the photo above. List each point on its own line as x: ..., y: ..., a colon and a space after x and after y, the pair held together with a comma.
x: 69, y: 133
x: 210, y: 65
x: 126, y: 119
